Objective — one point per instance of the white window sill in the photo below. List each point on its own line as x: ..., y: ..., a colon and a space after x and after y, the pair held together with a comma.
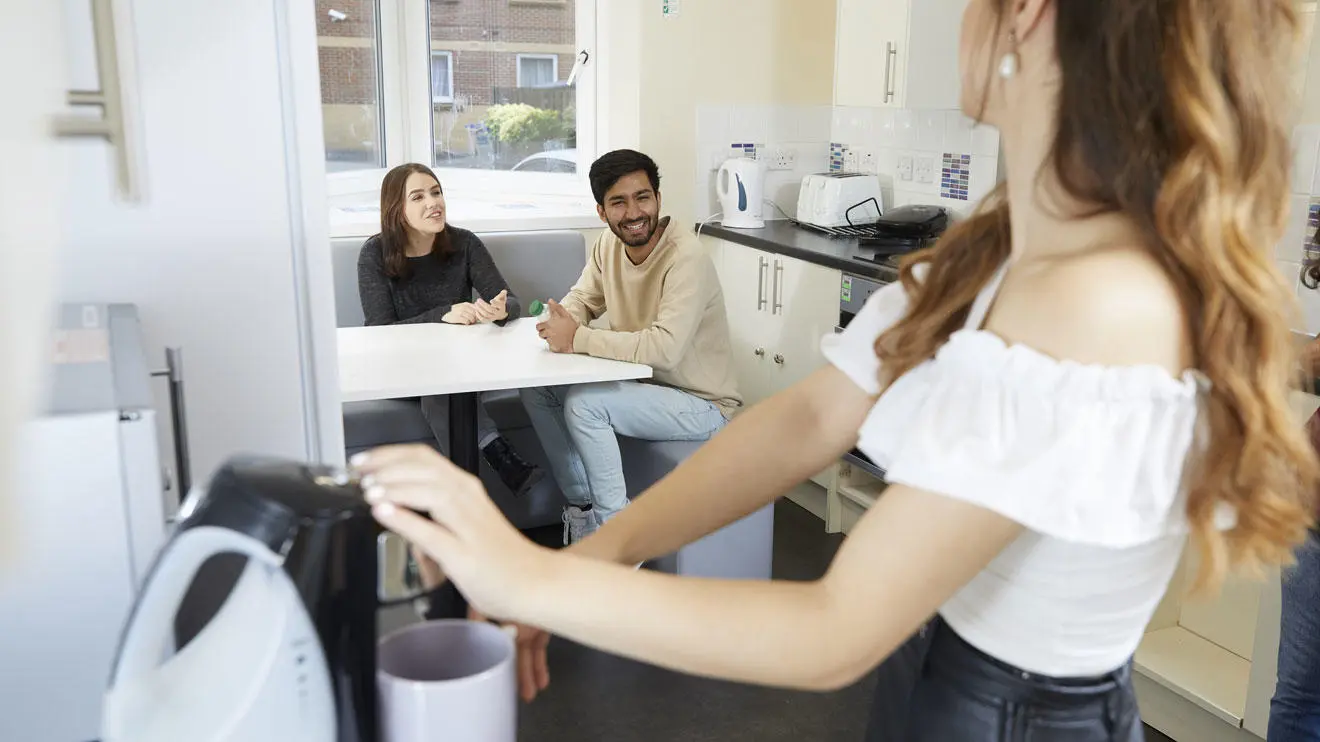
x: 511, y: 214
x: 478, y: 201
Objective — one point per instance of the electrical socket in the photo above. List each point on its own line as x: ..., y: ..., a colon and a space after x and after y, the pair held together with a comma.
x: 925, y: 169
x: 781, y: 158
x: 850, y: 160
x: 866, y: 160
x: 905, y: 167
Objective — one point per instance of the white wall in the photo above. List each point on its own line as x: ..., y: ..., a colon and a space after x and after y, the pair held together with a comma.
x: 29, y: 182
x: 219, y: 255
x: 715, y: 53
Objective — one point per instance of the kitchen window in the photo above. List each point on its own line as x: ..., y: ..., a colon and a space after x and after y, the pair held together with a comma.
x: 442, y: 77
x: 498, y: 97
x: 537, y: 70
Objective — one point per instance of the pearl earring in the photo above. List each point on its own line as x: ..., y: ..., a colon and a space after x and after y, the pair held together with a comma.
x: 1008, y: 66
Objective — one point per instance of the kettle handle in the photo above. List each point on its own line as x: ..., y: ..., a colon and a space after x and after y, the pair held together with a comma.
x: 142, y: 644
x: 722, y: 181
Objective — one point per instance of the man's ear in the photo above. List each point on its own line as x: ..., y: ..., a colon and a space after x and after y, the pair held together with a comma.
x: 600, y: 212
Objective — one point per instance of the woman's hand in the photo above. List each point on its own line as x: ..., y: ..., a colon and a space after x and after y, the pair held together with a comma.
x: 461, y: 314
x: 492, y: 564
x: 1311, y: 358
x: 495, y: 310
x: 533, y: 667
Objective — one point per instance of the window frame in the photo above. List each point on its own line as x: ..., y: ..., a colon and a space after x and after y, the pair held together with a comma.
x: 449, y: 68
x: 404, y: 46
x: 518, y: 70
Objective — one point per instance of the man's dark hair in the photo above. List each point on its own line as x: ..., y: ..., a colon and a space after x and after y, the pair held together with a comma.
x: 613, y: 166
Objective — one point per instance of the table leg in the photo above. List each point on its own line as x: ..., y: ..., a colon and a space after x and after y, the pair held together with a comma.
x: 447, y: 602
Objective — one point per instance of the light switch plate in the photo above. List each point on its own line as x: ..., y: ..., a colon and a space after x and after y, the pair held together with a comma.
x: 866, y: 160
x: 925, y: 169
x: 850, y: 160
x: 781, y: 158
x: 905, y: 167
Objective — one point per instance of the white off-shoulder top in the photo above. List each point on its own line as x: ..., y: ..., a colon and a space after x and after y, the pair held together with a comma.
x: 1089, y: 459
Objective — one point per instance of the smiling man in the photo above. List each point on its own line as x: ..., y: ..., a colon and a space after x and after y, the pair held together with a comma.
x: 666, y: 310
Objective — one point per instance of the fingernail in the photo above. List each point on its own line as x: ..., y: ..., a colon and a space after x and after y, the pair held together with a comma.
x: 383, y: 510
x: 375, y: 492
x: 359, y: 459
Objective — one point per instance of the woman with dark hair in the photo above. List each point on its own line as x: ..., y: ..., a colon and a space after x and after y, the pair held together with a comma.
x: 1295, y: 708
x: 1092, y: 368
x: 420, y: 268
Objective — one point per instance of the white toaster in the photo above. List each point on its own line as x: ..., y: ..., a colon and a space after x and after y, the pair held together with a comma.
x: 839, y: 199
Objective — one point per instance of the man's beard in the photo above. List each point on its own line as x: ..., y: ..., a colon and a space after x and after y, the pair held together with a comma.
x: 636, y: 240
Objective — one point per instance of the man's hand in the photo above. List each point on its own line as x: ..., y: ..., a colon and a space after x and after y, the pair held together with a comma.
x: 559, y: 330
x: 533, y: 669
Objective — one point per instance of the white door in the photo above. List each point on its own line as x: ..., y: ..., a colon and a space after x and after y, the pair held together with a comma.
x: 805, y: 305
x: 745, y: 279
x: 870, y: 52
x: 223, y: 244
x: 32, y: 199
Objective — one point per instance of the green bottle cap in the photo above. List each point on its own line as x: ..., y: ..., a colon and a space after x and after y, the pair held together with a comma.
x: 536, y: 307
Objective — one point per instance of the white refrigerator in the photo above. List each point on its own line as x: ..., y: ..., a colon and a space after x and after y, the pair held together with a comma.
x: 178, y: 168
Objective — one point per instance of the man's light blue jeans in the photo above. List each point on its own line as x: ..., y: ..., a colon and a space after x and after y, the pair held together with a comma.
x: 578, y: 426
x: 1295, y: 709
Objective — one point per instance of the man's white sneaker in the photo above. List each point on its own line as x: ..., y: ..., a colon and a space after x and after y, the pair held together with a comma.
x: 578, y: 524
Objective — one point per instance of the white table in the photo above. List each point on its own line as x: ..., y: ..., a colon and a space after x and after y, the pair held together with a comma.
x: 403, y: 361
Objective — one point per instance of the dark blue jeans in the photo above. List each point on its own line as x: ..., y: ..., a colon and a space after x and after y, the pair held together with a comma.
x: 1295, y: 708
x: 963, y: 694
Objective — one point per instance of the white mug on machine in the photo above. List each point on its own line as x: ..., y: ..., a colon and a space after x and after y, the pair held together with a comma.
x: 450, y: 679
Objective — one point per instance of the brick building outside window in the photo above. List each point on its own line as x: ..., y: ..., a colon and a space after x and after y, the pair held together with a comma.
x: 498, y: 72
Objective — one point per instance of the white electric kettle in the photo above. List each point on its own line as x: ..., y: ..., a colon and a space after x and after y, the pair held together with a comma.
x: 257, y: 621
x: 740, y: 185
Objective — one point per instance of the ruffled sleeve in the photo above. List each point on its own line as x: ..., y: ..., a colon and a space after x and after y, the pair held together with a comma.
x: 1088, y: 454
x: 853, y: 350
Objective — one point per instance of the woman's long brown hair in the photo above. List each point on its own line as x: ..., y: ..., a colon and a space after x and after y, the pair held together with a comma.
x: 394, y: 227
x: 1174, y: 113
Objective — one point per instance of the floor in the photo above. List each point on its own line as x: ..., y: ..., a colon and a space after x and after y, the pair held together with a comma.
x: 595, y: 696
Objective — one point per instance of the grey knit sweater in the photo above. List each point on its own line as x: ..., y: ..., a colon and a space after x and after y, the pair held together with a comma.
x: 436, y: 284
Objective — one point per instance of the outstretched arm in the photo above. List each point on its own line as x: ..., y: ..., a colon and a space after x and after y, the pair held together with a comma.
x: 906, y: 557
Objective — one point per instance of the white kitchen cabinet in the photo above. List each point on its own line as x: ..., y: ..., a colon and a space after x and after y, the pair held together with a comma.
x: 898, y: 53
x: 779, y: 308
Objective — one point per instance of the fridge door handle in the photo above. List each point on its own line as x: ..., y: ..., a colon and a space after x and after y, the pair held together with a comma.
x: 109, y: 21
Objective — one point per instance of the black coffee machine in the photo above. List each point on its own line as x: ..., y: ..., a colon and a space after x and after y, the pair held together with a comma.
x: 302, y: 522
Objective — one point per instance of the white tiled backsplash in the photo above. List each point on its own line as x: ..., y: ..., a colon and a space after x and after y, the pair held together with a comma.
x: 945, y: 159
x: 801, y: 132
x: 939, y: 157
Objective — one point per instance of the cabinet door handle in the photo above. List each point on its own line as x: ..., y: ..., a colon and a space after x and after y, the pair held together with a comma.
x: 891, y: 60
x: 759, y: 352
x: 779, y: 358
x: 764, y: 264
x: 111, y: 124
x: 779, y: 280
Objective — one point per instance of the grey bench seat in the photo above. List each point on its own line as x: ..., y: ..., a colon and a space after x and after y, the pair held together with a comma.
x: 544, y: 265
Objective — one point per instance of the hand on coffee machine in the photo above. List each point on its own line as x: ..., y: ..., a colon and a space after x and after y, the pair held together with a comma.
x: 490, y: 562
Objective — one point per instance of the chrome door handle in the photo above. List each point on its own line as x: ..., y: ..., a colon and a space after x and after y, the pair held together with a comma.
x: 759, y: 352
x: 760, y: 283
x: 111, y: 125
x: 891, y: 58
x: 779, y: 358
x: 779, y: 279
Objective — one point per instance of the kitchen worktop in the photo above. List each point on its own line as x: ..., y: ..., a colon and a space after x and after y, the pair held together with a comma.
x: 782, y: 237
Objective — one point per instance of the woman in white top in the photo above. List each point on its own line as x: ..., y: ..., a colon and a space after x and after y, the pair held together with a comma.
x: 1091, y: 368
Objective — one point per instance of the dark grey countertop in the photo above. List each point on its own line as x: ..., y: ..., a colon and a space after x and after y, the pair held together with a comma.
x: 782, y: 237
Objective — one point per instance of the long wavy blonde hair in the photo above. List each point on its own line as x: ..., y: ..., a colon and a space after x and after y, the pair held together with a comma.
x: 1173, y: 112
